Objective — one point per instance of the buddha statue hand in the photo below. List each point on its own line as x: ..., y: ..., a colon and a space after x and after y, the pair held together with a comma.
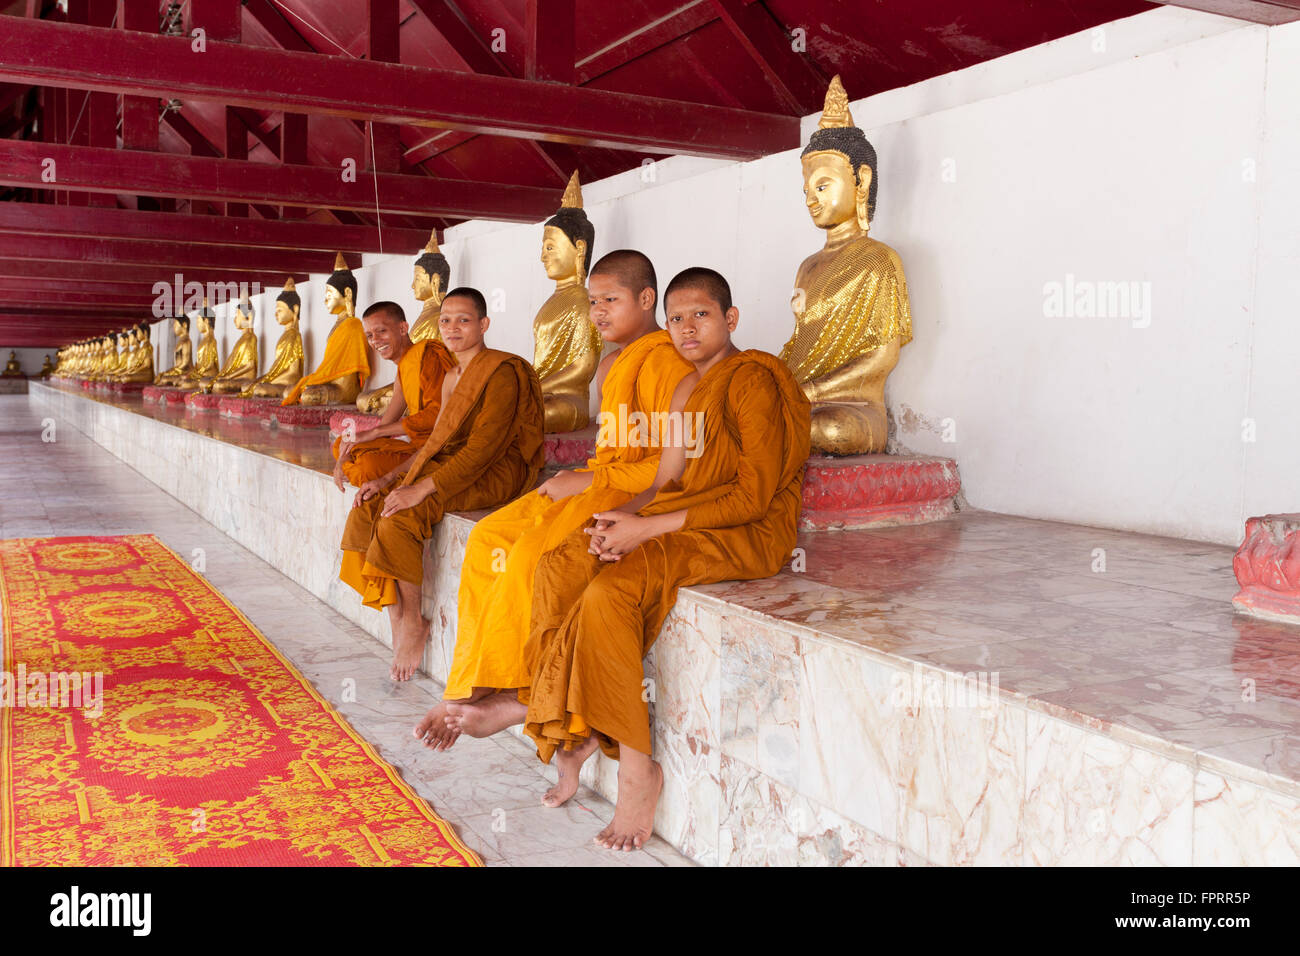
x: 328, y: 394
x: 375, y: 402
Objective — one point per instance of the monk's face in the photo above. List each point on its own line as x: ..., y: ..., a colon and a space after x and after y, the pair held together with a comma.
x: 559, y: 255
x: 699, y: 327
x: 829, y: 189
x: 384, y: 335
x: 460, y: 324
x: 284, y: 313
x: 618, y: 313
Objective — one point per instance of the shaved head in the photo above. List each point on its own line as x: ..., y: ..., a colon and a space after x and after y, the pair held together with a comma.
x: 633, y: 270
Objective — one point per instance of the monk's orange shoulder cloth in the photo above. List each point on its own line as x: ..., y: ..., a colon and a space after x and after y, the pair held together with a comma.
x: 435, y: 361
x: 345, y: 354
x: 522, y: 421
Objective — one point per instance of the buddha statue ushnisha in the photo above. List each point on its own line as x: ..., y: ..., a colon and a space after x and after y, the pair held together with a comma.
x: 139, y: 362
x: 566, y: 345
x: 241, y: 364
x: 343, y: 371
x: 183, y: 354
x: 430, y: 282
x: 289, y: 360
x: 207, y: 357
x: 850, y: 303
x: 12, y: 368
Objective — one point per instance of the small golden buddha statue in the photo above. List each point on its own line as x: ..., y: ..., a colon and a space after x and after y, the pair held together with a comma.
x: 114, y: 357
x: 48, y: 368
x: 183, y: 354
x: 207, y: 357
x: 13, y: 369
x: 343, y: 370
x: 290, y: 359
x: 139, y: 362
x: 566, y: 345
x: 850, y: 303
x: 240, y: 369
x: 430, y: 282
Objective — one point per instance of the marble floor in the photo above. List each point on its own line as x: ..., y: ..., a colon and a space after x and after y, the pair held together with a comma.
x: 488, y: 789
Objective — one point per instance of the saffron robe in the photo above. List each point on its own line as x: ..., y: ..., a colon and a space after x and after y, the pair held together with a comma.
x: 593, y: 621
x: 485, y: 450
x: 496, y: 578
x: 420, y: 372
x: 345, y: 354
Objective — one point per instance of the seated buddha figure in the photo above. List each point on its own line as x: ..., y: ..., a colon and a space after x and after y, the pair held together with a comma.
x: 12, y: 368
x: 850, y: 303
x: 183, y: 355
x: 114, y: 357
x: 566, y: 345
x: 139, y: 362
x: 48, y: 368
x: 289, y: 359
x: 432, y: 275
x: 343, y: 370
x: 241, y: 364
x: 207, y: 357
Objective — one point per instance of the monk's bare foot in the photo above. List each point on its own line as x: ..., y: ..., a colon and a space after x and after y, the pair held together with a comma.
x: 433, y: 731
x: 408, y: 648
x: 488, y: 716
x: 639, y: 786
x: 569, y: 763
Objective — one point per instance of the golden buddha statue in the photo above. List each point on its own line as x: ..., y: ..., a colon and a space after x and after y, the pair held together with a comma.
x: 430, y: 282
x: 566, y: 345
x: 290, y: 359
x: 48, y: 368
x: 183, y: 354
x: 138, y: 367
x: 106, y: 357
x: 240, y: 369
x: 850, y: 303
x: 114, y: 357
x: 207, y: 357
x: 343, y: 370
x: 13, y: 369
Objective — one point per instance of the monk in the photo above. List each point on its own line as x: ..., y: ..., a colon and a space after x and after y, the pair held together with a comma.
x: 501, y: 555
x: 601, y: 596
x: 485, y: 449
x: 413, y: 409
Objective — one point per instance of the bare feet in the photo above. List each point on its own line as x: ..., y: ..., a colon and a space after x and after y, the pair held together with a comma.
x: 408, y: 648
x: 569, y: 763
x: 639, y: 784
x: 488, y: 716
x: 433, y: 731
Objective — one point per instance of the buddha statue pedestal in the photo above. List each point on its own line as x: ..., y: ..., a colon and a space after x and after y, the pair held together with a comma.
x: 174, y: 396
x: 360, y: 422
x: 1267, y: 566
x: 308, y: 416
x: 154, y: 393
x: 13, y: 385
x: 202, y: 401
x: 127, y: 388
x: 255, y: 409
x: 567, y: 449
x: 869, y: 491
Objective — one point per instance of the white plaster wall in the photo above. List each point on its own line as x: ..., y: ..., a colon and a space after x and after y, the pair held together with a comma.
x: 1113, y: 155
x: 30, y: 359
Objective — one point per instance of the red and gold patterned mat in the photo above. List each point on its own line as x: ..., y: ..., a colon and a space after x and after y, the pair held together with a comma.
x: 211, y: 749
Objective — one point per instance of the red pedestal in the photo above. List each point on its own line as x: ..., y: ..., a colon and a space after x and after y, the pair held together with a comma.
x: 154, y: 393
x: 126, y: 388
x: 570, y: 448
x: 360, y: 421
x: 174, y: 396
x: 307, y: 416
x: 865, y: 491
x: 232, y: 406
x: 201, y: 402
x: 1267, y: 566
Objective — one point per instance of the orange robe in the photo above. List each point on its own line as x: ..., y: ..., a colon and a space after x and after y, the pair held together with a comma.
x: 486, y: 449
x: 420, y: 371
x: 345, y: 354
x: 496, y: 578
x: 593, y: 621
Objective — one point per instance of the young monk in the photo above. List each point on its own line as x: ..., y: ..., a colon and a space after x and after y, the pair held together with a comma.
x: 601, y: 596
x: 485, y: 449
x: 413, y: 409
x: 501, y: 555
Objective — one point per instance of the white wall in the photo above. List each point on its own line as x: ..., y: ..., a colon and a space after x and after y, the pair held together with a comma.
x: 1112, y: 155
x: 30, y: 359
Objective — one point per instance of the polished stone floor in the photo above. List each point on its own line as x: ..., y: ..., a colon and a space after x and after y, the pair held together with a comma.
x: 488, y: 789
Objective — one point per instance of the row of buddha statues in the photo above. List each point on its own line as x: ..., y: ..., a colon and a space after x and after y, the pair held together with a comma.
x: 851, y: 316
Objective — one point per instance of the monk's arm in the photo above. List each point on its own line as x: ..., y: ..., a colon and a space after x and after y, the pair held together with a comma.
x: 490, y: 432
x: 390, y: 421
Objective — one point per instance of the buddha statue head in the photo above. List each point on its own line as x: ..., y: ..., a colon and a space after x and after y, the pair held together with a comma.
x: 567, y: 238
x: 181, y: 326
x: 207, y: 319
x: 341, y: 289
x: 839, y: 169
x: 432, y: 273
x: 244, y: 315
x: 288, y: 304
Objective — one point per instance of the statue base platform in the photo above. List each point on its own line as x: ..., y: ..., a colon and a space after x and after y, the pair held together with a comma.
x: 564, y: 449
x: 360, y: 421
x: 127, y: 388
x: 307, y: 416
x: 1267, y: 566
x: 232, y: 406
x: 201, y: 402
x: 13, y: 385
x: 867, y: 491
x: 154, y: 393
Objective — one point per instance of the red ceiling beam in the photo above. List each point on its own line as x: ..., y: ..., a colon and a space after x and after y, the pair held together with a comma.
x: 139, y: 65
x: 140, y: 113
x: 167, y: 256
x: 645, y: 40
x: 383, y: 45
x: 791, y: 76
x: 43, y: 219
x: 551, y: 30
x: 225, y: 180
x: 137, y: 276
x: 219, y: 19
x: 277, y: 25
x: 1268, y: 12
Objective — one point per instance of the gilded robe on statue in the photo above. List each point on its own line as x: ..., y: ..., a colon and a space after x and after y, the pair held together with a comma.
x: 593, y: 621
x: 495, y: 600
x: 345, y: 354
x: 486, y: 449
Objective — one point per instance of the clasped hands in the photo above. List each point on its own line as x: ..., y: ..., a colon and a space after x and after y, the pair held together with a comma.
x: 617, y: 533
x: 399, y: 499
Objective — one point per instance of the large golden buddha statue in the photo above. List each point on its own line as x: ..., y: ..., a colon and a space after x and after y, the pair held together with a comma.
x: 138, y: 367
x: 183, y: 355
x: 343, y: 370
x: 13, y: 369
x: 850, y: 303
x: 430, y: 281
x: 289, y: 360
x: 207, y: 357
x: 566, y: 345
x: 240, y: 369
